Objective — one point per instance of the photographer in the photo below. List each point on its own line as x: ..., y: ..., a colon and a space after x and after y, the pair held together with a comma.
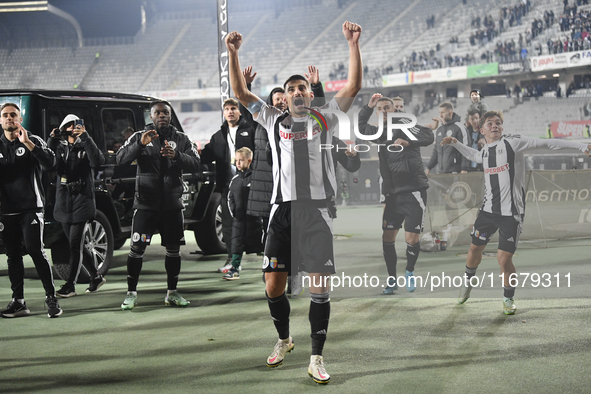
x: 76, y: 158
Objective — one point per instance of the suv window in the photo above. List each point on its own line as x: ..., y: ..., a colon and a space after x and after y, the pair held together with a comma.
x: 119, y: 125
x: 147, y: 119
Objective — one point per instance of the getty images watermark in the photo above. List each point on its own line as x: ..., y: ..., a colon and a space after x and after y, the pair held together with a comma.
x: 317, y: 123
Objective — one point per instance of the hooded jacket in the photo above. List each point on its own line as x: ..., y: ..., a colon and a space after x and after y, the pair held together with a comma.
x: 401, y: 171
x: 446, y: 159
x: 159, y: 183
x: 218, y: 151
x: 75, y: 164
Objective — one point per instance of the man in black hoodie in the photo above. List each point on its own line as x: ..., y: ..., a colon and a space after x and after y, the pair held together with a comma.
x: 404, y: 186
x: 444, y: 158
x: 234, y: 134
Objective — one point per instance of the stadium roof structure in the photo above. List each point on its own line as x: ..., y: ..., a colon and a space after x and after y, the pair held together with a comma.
x: 43, y: 5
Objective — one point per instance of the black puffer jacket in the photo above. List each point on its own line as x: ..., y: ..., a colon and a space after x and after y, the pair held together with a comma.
x: 159, y: 184
x: 447, y: 159
x: 402, y: 172
x: 74, y: 197
x: 259, y: 199
x: 246, y: 229
x: 218, y: 150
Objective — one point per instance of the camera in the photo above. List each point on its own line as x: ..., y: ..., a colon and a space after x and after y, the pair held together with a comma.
x: 64, y: 132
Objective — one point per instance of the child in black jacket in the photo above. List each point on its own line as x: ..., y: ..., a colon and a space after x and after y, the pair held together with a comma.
x: 246, y: 229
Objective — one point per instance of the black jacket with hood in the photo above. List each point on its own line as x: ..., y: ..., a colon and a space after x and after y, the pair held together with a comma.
x: 75, y: 165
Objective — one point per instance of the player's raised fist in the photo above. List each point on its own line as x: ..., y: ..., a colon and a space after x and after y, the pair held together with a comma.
x: 233, y: 41
x: 351, y: 31
x: 373, y: 101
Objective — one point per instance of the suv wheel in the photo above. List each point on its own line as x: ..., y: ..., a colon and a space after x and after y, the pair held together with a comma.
x: 208, y: 232
x: 98, y: 242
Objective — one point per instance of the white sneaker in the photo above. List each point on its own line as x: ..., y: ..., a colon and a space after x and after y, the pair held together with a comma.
x: 282, y: 347
x: 226, y: 268
x: 464, y: 293
x: 316, y: 370
x: 509, y: 306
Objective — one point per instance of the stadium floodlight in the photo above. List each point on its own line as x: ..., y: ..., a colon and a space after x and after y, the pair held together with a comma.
x: 24, y: 6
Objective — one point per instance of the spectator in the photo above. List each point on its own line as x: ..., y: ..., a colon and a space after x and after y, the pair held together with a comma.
x: 234, y: 134
x: 445, y: 159
x: 77, y: 158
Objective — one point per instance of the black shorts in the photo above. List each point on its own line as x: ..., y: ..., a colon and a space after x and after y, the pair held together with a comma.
x: 487, y: 224
x: 170, y: 225
x: 405, y: 207
x: 309, y: 229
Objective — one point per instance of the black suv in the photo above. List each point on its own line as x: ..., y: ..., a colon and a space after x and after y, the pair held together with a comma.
x: 110, y: 118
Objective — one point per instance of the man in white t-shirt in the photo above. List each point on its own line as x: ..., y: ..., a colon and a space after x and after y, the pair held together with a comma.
x: 300, y: 226
x: 234, y: 134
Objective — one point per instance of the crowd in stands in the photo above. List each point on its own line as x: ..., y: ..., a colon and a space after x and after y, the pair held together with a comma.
x: 486, y: 29
x: 483, y: 35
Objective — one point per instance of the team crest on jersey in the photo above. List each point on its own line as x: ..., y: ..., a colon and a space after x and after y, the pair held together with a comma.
x: 273, y: 262
x: 265, y: 262
x: 1, y: 227
x: 172, y: 144
x: 136, y: 237
x: 20, y: 151
x: 81, y: 154
x: 449, y: 133
x: 145, y: 238
x: 479, y: 235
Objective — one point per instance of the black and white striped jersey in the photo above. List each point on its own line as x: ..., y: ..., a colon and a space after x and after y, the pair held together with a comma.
x: 504, y: 170
x: 301, y: 169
